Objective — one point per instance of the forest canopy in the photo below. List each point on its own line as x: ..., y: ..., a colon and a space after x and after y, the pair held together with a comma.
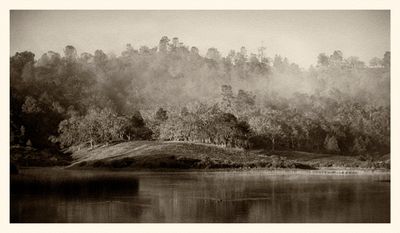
x: 172, y: 92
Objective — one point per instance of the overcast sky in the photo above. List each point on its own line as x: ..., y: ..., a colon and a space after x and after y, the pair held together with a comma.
x: 298, y: 35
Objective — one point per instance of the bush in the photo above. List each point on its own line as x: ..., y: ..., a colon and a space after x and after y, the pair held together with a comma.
x: 101, y: 126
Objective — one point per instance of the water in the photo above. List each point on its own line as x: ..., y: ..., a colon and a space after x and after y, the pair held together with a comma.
x: 255, y: 196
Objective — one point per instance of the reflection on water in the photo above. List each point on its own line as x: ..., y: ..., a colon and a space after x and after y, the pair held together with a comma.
x: 254, y: 196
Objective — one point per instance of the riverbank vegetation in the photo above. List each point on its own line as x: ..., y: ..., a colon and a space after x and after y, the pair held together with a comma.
x: 171, y: 92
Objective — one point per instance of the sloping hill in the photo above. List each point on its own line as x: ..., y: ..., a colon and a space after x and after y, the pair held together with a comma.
x: 182, y: 155
x: 154, y: 154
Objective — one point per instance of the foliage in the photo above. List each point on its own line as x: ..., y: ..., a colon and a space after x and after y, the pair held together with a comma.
x: 100, y: 126
x: 209, y: 126
x: 171, y: 92
x: 331, y: 144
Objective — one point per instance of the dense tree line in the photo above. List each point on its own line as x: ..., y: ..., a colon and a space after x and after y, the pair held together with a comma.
x: 172, y: 92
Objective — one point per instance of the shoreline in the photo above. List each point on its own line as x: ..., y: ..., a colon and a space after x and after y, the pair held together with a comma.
x: 283, y: 171
x: 158, y: 156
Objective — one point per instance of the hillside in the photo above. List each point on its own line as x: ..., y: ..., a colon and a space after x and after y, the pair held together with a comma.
x: 182, y: 155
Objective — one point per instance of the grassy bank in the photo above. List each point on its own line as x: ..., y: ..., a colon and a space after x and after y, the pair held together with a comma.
x: 181, y: 155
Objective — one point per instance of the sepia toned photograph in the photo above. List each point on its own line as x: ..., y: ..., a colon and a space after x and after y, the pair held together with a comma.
x: 200, y: 116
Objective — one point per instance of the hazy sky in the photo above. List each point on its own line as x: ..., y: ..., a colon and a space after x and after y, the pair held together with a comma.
x: 298, y: 35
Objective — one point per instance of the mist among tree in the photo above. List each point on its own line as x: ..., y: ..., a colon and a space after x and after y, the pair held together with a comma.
x: 172, y: 92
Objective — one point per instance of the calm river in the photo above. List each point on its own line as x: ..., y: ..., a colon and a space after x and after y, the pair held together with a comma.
x: 208, y: 197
